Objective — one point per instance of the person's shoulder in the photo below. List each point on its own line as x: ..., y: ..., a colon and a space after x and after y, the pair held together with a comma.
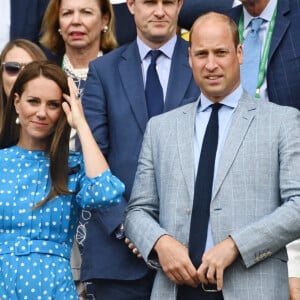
x: 277, y: 111
x: 264, y: 107
x: 290, y: 8
x: 172, y: 115
x: 112, y: 56
x: 181, y: 45
x: 5, y: 150
x: 8, y: 155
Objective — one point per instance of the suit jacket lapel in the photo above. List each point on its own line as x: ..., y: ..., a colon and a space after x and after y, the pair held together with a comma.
x: 132, y: 79
x: 180, y: 76
x: 241, y: 121
x: 185, y: 139
x: 281, y: 26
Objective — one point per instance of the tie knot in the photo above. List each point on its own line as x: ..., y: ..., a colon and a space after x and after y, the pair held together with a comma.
x: 154, y: 55
x: 216, y: 106
x: 255, y: 24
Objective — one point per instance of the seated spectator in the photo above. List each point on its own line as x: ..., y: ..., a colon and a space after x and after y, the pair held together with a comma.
x: 14, y: 56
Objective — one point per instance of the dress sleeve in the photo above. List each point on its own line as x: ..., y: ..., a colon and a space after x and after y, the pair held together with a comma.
x: 99, y: 192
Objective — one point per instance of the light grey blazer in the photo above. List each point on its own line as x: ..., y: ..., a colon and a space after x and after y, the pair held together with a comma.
x: 256, y: 194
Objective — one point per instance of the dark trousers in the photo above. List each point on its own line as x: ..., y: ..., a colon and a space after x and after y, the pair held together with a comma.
x: 109, y: 289
x: 190, y: 293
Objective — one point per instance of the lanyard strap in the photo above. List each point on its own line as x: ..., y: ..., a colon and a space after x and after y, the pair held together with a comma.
x: 264, y: 58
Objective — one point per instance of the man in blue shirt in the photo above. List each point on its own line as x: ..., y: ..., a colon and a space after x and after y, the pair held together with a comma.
x: 279, y: 80
x: 116, y: 109
x: 254, y: 203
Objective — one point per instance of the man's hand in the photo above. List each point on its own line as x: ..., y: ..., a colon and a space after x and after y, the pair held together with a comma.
x: 215, y: 261
x: 132, y: 247
x: 294, y: 286
x: 175, y: 261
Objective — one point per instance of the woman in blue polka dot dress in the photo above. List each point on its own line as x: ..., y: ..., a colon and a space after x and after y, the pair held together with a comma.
x: 43, y: 186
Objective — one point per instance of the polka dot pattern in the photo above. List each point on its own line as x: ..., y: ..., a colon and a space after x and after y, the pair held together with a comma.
x: 35, y: 244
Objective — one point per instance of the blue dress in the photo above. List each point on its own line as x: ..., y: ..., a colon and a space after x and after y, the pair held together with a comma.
x: 35, y: 244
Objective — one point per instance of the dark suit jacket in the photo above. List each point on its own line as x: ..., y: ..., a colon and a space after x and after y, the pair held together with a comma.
x: 115, y: 107
x: 283, y: 70
x: 26, y: 19
x: 191, y: 9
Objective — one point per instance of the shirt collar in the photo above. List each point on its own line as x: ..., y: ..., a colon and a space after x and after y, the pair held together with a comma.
x: 231, y: 100
x: 167, y: 49
x: 266, y: 14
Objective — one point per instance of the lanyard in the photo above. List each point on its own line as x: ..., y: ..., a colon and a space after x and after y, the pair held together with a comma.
x: 264, y: 59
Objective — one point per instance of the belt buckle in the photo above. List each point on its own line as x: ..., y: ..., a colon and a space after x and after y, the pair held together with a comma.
x: 209, y: 288
x: 22, y: 246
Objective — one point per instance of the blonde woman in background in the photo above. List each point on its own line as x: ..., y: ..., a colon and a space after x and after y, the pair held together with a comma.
x: 77, y: 32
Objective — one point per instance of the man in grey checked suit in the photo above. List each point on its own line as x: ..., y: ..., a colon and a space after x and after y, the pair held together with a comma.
x: 255, y: 204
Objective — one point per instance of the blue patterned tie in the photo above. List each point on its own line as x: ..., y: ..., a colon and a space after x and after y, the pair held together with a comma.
x: 252, y: 49
x: 153, y: 90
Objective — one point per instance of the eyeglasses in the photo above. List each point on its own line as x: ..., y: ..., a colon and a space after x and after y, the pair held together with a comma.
x: 12, y: 68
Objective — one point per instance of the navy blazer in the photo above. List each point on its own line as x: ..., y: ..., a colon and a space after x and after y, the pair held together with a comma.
x: 283, y: 70
x: 26, y: 19
x: 115, y: 107
x: 192, y: 9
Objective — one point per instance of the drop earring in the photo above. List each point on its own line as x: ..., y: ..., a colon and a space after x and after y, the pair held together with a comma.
x: 17, y: 121
x: 105, y: 29
x: 59, y: 31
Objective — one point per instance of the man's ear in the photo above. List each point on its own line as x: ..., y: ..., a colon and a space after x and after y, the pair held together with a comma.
x: 190, y: 61
x: 130, y: 5
x: 240, y: 53
x: 180, y: 3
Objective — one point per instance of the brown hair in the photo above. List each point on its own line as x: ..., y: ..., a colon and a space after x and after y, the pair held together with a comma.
x: 232, y: 26
x: 58, y: 146
x: 32, y: 49
x: 52, y: 40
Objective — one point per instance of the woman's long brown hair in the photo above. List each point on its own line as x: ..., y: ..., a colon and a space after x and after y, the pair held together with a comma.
x: 58, y: 146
